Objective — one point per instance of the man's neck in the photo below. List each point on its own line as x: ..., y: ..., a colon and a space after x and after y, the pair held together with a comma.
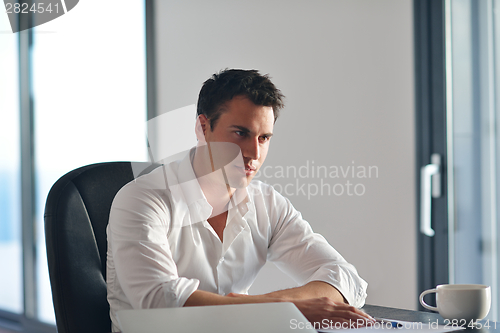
x: 213, y: 183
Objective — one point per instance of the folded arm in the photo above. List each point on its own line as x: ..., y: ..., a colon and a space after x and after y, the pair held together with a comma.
x: 317, y: 300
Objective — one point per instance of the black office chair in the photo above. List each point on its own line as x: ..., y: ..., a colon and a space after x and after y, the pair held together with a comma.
x: 76, y: 216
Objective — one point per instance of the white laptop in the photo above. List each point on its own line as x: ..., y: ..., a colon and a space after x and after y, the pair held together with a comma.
x: 241, y: 318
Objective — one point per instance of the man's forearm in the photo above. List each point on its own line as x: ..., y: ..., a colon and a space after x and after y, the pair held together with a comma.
x: 313, y: 289
x: 200, y: 298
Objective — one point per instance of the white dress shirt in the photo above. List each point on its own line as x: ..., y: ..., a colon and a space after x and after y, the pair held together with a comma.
x: 161, y: 247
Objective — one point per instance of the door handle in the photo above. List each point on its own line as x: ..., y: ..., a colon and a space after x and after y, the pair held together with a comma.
x: 430, y: 180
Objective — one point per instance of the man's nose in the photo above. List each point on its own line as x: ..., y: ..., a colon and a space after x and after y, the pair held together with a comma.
x: 252, y: 149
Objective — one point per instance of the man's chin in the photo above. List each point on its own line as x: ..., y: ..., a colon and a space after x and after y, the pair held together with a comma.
x: 238, y: 179
x: 239, y: 182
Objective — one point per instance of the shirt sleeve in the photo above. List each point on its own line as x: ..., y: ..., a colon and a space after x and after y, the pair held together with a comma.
x: 307, y: 256
x: 137, y: 235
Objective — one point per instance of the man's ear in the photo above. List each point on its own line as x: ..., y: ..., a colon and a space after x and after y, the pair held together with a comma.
x: 202, y: 125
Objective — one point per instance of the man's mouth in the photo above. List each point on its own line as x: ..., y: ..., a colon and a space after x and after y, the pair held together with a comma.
x: 247, y: 169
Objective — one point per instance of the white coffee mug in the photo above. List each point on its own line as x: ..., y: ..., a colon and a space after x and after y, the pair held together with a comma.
x: 460, y: 301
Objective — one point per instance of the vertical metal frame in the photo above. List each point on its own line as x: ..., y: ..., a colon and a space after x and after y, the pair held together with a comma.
x: 490, y: 232
x: 151, y: 60
x: 27, y: 170
x: 431, y: 131
x: 450, y: 143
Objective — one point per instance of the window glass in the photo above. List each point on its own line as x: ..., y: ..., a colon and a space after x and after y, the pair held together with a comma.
x: 89, y: 86
x: 11, y: 297
x: 475, y: 51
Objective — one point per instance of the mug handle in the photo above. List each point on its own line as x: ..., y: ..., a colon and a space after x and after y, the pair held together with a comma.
x: 425, y: 305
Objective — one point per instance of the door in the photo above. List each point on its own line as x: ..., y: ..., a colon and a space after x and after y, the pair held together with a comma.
x: 458, y: 120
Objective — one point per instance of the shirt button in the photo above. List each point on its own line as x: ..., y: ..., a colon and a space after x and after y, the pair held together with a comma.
x: 221, y: 259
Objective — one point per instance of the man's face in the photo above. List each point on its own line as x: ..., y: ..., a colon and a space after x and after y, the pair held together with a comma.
x: 248, y: 126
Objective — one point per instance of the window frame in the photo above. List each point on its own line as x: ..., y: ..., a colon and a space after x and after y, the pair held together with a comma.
x: 431, y: 137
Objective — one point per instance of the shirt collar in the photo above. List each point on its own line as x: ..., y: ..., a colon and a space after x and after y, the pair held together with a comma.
x: 186, y: 190
x: 186, y: 185
x: 188, y: 181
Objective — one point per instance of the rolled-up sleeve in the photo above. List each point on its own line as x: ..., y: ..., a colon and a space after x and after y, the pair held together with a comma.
x: 307, y: 256
x: 138, y: 245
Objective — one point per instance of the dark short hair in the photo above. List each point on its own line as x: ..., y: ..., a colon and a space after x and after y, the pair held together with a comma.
x: 229, y: 83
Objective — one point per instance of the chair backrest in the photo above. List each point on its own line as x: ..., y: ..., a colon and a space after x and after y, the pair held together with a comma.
x: 76, y: 216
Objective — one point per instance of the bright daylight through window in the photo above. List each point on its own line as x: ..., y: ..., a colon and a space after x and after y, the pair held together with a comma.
x: 89, y: 105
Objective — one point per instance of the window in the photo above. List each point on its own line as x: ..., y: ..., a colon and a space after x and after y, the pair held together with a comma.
x: 475, y: 44
x: 458, y: 116
x: 11, y: 296
x: 88, y: 86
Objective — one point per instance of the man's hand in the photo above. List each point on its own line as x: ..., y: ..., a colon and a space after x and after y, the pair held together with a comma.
x: 320, y: 301
x: 324, y: 310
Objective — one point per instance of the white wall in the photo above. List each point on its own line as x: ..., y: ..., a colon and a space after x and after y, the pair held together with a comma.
x: 346, y: 68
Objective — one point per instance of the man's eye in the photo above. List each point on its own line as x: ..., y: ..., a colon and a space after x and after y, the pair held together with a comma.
x: 265, y: 138
x: 240, y: 133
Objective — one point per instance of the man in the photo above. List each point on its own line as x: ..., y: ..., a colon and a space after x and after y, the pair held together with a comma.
x: 197, y: 231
